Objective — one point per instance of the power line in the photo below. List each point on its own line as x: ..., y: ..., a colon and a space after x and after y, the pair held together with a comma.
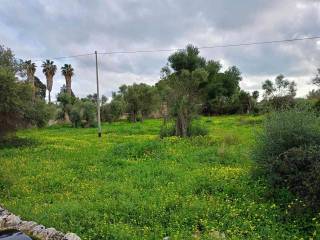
x: 214, y: 46
x: 178, y: 49
x: 58, y: 58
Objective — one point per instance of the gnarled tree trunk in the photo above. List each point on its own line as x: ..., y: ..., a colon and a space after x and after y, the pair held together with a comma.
x: 181, y: 125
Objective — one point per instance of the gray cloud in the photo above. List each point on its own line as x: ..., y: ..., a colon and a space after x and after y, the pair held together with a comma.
x: 41, y: 28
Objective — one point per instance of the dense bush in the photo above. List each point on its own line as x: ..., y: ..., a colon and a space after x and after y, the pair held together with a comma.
x: 167, y: 130
x: 316, y: 106
x: 284, y: 148
x: 39, y: 113
x: 17, y: 110
x: 298, y: 169
x: 112, y: 111
x: 222, y: 105
x: 66, y: 102
x: 11, y: 103
x: 75, y: 115
x: 284, y: 130
x: 197, y: 129
x: 83, y: 113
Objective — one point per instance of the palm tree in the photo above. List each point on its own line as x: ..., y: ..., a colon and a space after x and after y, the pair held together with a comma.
x: 68, y: 72
x: 31, y: 69
x: 49, y: 69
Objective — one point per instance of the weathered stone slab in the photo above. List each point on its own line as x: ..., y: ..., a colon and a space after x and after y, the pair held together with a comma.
x: 9, y: 221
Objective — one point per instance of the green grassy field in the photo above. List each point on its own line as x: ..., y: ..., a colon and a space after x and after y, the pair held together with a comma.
x: 133, y: 185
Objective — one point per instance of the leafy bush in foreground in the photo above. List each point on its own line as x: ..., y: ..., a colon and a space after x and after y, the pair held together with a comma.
x: 298, y: 169
x: 317, y: 106
x: 284, y: 151
x: 285, y: 130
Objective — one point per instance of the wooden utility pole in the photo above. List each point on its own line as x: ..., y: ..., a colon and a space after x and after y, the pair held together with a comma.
x: 98, y: 96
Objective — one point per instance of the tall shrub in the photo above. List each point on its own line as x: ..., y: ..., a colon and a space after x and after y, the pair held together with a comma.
x: 287, y: 150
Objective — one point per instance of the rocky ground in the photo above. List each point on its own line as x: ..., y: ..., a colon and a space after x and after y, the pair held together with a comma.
x: 32, y: 229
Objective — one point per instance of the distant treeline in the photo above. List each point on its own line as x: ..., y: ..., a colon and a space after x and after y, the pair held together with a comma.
x: 189, y: 85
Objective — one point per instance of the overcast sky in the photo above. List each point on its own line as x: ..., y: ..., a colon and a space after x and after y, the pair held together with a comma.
x: 45, y: 29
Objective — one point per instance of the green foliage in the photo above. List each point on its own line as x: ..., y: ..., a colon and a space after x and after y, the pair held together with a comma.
x: 9, y: 62
x: 187, y: 59
x: 279, y: 95
x: 83, y: 113
x: 314, y: 94
x: 15, y: 99
x: 196, y: 129
x: 184, y: 97
x: 93, y: 98
x: 66, y: 101
x: 298, y: 169
x: 285, y: 154
x: 284, y: 130
x: 18, y: 107
x: 190, y: 83
x: 140, y: 99
x: 112, y: 111
x: 39, y: 113
x: 137, y: 150
x: 221, y: 90
x: 17, y: 110
x: 167, y: 130
x: 133, y: 185
x: 222, y: 105
x: 317, y: 106
x: 40, y: 88
x: 75, y: 114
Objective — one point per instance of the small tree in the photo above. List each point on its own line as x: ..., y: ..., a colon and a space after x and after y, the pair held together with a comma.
x: 184, y: 96
x: 19, y: 106
x: 114, y: 110
x: 14, y: 98
x: 183, y: 87
x: 83, y: 113
x: 314, y: 94
x: 255, y: 95
x: 93, y: 98
x: 140, y: 100
x: 12, y: 64
x: 149, y: 100
x: 281, y: 93
x: 66, y: 101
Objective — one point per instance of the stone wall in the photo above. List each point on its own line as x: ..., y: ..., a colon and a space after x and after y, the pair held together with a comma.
x: 32, y: 229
